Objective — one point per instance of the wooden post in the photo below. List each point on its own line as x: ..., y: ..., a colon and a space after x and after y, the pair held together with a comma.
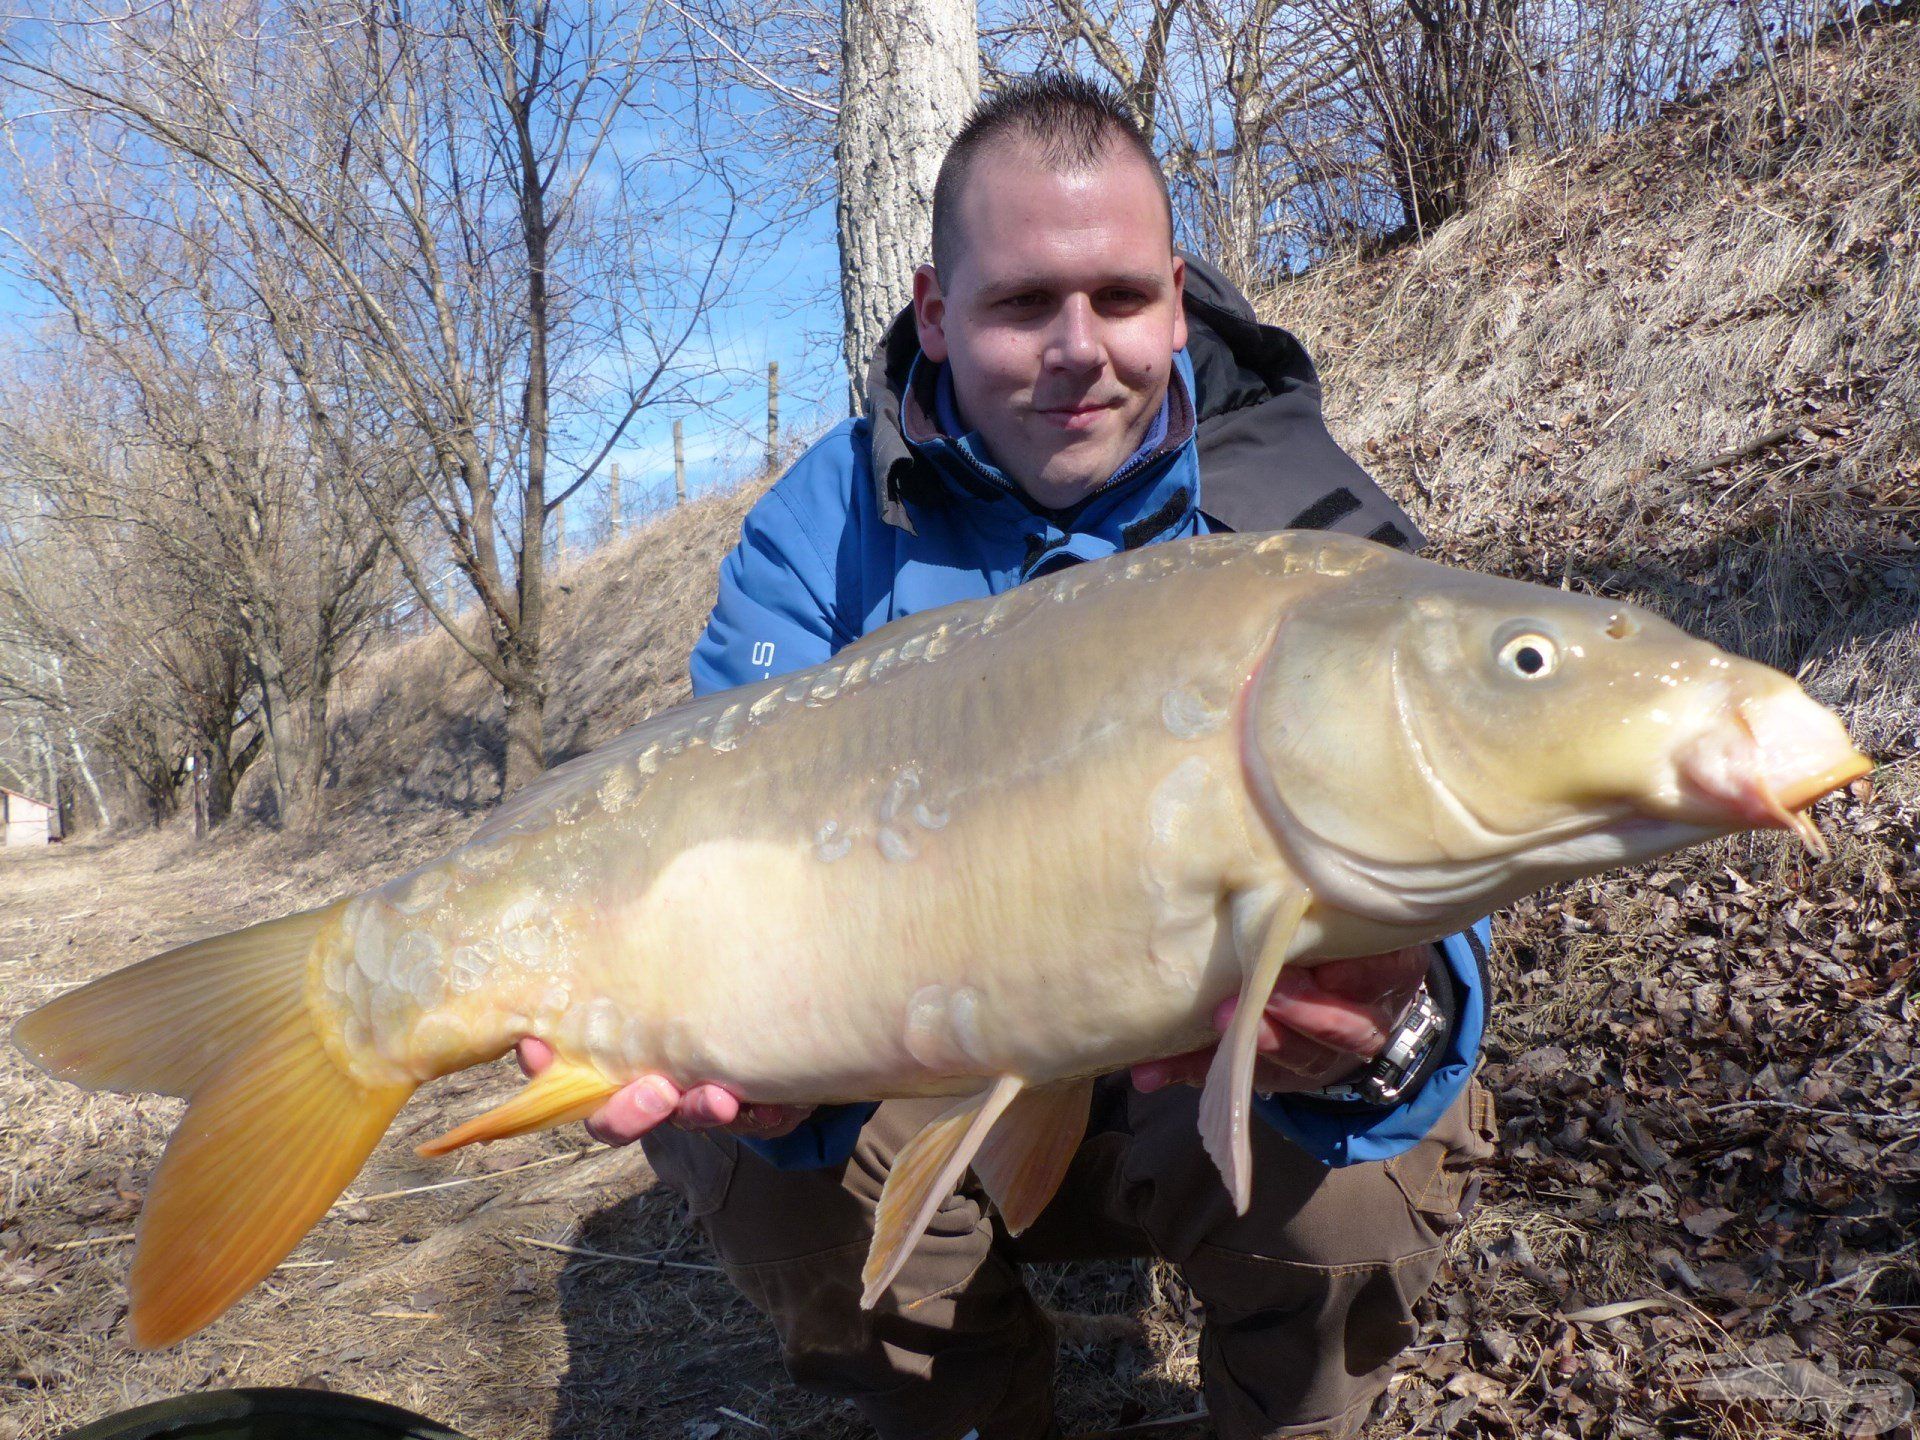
x: 197, y: 779
x: 679, y: 464
x: 613, y: 500
x: 773, y: 414
x: 50, y: 764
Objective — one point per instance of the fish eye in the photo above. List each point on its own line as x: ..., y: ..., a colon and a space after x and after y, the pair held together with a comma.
x: 1530, y: 656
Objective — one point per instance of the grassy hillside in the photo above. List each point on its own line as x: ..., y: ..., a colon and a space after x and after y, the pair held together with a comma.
x: 1677, y: 366
x: 1682, y: 366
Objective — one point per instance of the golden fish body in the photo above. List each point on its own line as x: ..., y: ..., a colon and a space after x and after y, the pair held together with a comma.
x: 985, y: 842
x: 987, y: 852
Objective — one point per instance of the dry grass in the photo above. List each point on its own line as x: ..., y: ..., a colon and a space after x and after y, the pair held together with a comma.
x: 1564, y: 384
x: 1684, y: 367
x: 1569, y: 383
x: 420, y: 728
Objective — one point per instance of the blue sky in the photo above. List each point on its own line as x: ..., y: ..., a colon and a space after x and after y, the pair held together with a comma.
x: 785, y: 308
x: 782, y: 305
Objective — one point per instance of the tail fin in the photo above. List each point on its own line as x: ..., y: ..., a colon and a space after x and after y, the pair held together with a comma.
x: 275, y: 1130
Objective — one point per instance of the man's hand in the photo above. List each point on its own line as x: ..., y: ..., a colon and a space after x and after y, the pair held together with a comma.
x: 1320, y: 1026
x: 631, y: 1112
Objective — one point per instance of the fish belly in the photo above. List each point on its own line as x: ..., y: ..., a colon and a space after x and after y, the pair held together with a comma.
x: 1010, y: 849
x: 950, y: 882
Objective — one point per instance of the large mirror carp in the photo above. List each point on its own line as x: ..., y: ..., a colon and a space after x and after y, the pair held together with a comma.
x: 991, y: 851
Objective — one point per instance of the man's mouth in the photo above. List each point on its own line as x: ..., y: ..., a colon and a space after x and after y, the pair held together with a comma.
x: 1078, y: 416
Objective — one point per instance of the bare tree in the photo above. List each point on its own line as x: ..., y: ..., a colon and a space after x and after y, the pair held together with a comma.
x: 909, y: 73
x: 1291, y: 129
x: 472, y: 224
x: 233, y: 503
x: 100, y: 638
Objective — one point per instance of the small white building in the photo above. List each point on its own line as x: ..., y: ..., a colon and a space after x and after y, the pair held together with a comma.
x: 24, y: 820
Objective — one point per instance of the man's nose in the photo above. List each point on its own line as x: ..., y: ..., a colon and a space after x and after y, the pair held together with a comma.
x: 1074, y: 343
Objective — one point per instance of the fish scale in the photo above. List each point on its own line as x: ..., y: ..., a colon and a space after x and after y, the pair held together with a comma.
x: 988, y: 852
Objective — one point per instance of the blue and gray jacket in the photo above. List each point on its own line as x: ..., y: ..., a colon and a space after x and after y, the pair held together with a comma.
x: 896, y: 512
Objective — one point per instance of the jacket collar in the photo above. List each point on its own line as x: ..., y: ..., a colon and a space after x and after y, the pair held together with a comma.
x: 963, y: 461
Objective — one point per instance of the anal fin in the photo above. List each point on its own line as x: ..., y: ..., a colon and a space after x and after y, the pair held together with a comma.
x: 565, y: 1090
x: 1025, y: 1156
x: 1227, y: 1101
x: 924, y: 1174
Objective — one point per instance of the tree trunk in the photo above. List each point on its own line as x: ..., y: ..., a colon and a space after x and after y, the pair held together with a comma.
x: 526, y: 685
x: 234, y: 765
x: 50, y: 768
x: 157, y: 788
x: 285, y: 743
x: 909, y: 73
x: 526, y: 700
x: 221, y: 781
x: 85, y: 769
x: 79, y: 752
x: 313, y: 756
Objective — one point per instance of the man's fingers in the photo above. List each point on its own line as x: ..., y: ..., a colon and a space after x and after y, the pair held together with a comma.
x: 707, y: 1106
x: 1301, y: 1005
x: 1302, y: 1001
x: 1289, y: 1061
x: 1187, y: 1069
x: 634, y: 1110
x: 1373, y: 979
x: 637, y: 1108
x: 770, y: 1122
x: 1302, y: 1059
x: 1303, y: 1071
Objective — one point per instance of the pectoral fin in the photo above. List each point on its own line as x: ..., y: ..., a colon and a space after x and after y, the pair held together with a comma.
x: 924, y: 1174
x: 1226, y: 1101
x: 565, y: 1090
x: 1024, y: 1158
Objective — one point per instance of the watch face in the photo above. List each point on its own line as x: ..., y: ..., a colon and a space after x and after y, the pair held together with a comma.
x: 1385, y: 1079
x: 1407, y: 1049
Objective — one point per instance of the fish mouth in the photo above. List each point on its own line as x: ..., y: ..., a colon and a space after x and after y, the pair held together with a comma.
x: 1781, y: 753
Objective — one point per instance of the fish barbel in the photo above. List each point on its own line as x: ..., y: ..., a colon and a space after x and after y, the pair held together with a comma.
x: 991, y: 851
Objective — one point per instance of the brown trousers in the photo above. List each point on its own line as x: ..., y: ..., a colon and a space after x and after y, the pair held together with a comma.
x: 1308, y: 1297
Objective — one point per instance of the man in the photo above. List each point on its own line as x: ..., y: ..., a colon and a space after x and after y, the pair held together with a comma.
x: 1066, y: 386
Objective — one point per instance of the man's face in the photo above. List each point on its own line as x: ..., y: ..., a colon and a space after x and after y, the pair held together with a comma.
x: 1060, y: 317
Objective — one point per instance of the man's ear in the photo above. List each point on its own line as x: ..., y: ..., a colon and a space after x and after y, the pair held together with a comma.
x: 1179, y: 304
x: 930, y: 313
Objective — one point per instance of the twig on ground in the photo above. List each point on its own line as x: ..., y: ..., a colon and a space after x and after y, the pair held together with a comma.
x: 1596, y: 1314
x: 659, y: 1261
x: 1150, y: 1427
x: 1903, y: 1117
x: 91, y: 1241
x: 463, y: 1180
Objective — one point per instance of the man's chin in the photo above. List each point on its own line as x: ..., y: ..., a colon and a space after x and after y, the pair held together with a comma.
x: 1070, y: 474
x: 1059, y: 492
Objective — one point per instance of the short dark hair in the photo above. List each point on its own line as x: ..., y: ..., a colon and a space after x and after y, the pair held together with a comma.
x: 1071, y: 121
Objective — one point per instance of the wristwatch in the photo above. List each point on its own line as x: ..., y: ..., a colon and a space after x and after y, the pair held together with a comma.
x: 1391, y: 1074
